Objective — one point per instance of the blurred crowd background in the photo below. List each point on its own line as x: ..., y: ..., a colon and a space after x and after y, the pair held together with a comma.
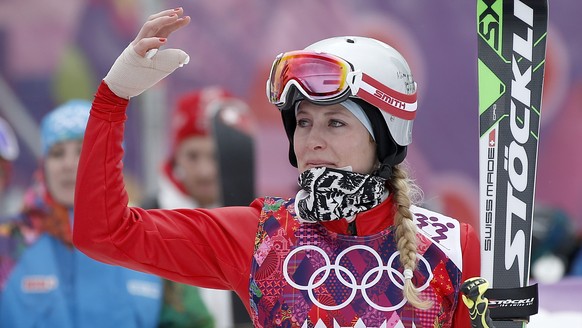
x: 55, y: 50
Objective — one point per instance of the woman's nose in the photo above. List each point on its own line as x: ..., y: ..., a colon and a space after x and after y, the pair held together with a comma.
x: 316, y: 139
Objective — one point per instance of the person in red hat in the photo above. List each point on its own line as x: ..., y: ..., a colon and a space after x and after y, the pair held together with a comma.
x: 190, y: 178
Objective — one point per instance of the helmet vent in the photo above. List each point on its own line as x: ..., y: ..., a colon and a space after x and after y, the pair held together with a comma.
x: 350, y: 41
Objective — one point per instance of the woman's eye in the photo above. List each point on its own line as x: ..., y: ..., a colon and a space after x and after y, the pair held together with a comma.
x: 302, y: 122
x: 56, y: 153
x: 336, y: 123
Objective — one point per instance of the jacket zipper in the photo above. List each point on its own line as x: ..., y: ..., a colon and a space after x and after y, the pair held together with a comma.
x: 352, y: 228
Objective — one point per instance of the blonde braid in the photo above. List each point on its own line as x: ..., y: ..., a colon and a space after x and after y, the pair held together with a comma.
x: 403, y: 189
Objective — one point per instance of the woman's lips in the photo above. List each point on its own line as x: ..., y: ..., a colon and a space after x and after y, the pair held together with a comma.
x: 311, y: 165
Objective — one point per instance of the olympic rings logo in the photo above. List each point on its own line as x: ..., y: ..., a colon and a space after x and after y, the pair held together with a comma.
x: 396, y: 277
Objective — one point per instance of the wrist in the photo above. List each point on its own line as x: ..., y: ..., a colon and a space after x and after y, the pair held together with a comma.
x: 107, y: 105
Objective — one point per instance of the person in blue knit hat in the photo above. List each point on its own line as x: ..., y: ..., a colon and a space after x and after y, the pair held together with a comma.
x: 44, y: 280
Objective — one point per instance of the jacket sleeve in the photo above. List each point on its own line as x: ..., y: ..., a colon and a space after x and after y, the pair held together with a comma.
x: 471, y: 250
x: 207, y: 248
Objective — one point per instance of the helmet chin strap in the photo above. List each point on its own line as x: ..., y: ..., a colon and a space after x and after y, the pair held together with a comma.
x: 385, y: 171
x: 385, y: 168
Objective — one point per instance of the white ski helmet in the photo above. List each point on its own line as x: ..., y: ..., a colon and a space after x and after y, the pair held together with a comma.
x: 383, y: 63
x: 380, y: 81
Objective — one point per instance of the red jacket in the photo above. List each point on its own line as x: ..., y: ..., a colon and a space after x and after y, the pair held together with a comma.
x: 204, y: 247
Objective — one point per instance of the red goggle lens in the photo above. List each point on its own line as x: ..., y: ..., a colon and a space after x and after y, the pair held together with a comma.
x: 321, y: 76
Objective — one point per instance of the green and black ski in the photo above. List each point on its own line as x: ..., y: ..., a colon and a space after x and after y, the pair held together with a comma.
x: 511, y: 49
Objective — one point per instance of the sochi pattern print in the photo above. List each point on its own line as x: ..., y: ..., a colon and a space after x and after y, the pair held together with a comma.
x: 303, y: 275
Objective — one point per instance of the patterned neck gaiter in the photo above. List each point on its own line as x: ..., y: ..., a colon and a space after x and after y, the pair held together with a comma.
x: 331, y: 194
x: 44, y: 214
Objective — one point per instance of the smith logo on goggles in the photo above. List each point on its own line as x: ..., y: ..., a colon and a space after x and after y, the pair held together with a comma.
x: 327, y: 79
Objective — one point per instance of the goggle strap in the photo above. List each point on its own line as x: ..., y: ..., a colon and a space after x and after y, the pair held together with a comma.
x: 391, y: 101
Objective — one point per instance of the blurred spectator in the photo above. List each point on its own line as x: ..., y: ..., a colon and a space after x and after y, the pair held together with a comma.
x: 576, y: 266
x: 44, y: 280
x: 8, y: 153
x: 190, y: 178
x: 553, y: 244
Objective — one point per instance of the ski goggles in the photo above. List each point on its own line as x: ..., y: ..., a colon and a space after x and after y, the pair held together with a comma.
x: 326, y: 79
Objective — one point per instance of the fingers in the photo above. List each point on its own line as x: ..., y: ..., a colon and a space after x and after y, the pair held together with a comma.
x: 148, y: 45
x: 157, y: 28
x: 179, y: 11
x: 162, y: 26
x: 168, y: 29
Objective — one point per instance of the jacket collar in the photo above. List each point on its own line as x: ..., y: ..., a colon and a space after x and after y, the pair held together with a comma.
x: 369, y: 222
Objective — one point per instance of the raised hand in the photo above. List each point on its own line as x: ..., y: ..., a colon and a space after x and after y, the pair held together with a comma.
x: 141, y: 65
